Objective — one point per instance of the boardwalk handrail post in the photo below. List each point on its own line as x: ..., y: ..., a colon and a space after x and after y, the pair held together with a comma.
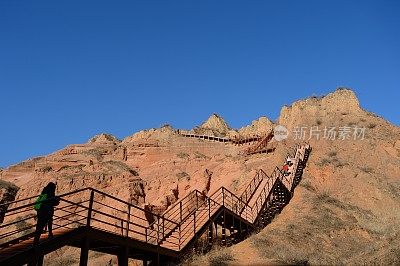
x: 180, y: 211
x: 235, y: 207
x: 163, y: 226
x: 90, y: 208
x: 158, y: 230
x: 194, y: 223
x: 180, y: 234
x: 223, y: 197
x: 128, y: 220
x: 197, y: 200
x: 209, y: 208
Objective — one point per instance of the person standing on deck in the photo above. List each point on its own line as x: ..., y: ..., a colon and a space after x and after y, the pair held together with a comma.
x: 44, y: 207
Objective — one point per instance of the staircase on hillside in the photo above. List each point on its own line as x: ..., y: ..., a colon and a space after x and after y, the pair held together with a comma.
x: 82, y: 220
x: 261, y: 146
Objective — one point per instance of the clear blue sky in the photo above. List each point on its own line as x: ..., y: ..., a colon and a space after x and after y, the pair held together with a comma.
x: 73, y: 69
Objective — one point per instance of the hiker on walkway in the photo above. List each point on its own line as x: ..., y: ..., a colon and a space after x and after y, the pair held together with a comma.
x: 285, y: 169
x: 44, y: 207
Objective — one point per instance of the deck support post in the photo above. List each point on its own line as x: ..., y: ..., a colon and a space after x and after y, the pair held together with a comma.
x: 232, y: 231
x: 40, y: 260
x: 216, y: 230
x: 83, y: 260
x: 240, y: 230
x: 224, y: 230
x: 210, y: 234
x: 123, y: 257
x: 37, y: 258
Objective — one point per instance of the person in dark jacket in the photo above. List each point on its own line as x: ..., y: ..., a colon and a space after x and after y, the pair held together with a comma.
x: 45, y: 210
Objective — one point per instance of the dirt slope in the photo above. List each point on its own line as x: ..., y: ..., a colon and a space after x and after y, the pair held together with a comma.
x: 346, y: 209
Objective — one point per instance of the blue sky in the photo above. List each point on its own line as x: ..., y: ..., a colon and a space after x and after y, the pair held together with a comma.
x: 73, y: 69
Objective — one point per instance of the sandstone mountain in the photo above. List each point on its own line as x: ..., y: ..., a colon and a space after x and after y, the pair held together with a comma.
x: 257, y: 127
x: 215, y: 126
x: 345, y: 210
x: 215, y: 122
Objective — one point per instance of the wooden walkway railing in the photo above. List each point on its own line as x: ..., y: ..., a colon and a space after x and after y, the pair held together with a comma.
x: 170, y: 233
x: 234, y: 140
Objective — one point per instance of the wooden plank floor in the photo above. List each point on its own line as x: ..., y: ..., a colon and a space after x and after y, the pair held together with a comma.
x: 26, y: 244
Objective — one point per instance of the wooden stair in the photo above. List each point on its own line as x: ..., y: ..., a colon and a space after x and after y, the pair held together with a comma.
x: 175, y: 230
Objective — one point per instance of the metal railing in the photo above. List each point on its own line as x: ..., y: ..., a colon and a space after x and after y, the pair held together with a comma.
x: 173, y: 229
x: 252, y: 186
x: 261, y: 144
x: 84, y: 207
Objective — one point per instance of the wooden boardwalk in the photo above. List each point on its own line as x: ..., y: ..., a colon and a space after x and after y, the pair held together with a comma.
x: 120, y: 228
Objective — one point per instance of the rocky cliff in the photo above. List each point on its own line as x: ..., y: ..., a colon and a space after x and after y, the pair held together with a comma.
x: 345, y: 210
